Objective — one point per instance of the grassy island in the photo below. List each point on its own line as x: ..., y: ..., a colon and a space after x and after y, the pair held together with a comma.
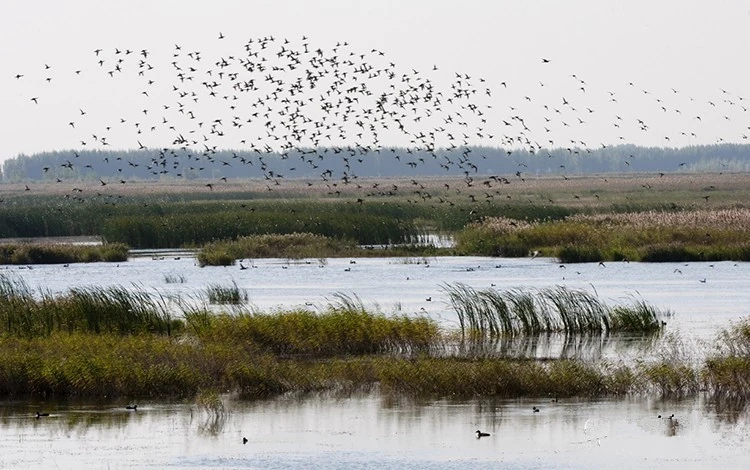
x: 113, y: 342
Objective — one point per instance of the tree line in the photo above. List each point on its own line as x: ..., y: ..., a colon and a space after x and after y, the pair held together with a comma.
x: 351, y: 162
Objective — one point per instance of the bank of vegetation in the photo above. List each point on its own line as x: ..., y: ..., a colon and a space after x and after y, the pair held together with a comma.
x: 586, y: 220
x: 651, y: 236
x: 116, y: 342
x: 59, y: 253
x: 191, y: 220
x: 299, y: 246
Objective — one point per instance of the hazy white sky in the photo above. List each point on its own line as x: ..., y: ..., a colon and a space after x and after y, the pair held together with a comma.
x: 685, y: 59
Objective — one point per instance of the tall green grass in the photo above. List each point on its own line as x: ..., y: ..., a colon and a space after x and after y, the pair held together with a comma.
x: 488, y: 314
x: 203, y: 223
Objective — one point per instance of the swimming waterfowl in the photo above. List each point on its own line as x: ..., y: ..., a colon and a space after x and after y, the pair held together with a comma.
x: 131, y: 407
x: 39, y: 415
x: 482, y: 434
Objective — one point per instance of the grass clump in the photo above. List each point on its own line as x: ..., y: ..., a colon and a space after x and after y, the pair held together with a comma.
x: 42, y: 253
x: 726, y: 372
x: 489, y: 314
x: 226, y: 295
x: 292, y: 246
x: 173, y: 278
x: 101, y: 365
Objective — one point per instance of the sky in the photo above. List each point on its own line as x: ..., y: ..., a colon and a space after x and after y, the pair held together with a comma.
x: 577, y: 73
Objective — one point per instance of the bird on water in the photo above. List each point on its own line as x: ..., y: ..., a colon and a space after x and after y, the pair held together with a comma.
x: 482, y: 434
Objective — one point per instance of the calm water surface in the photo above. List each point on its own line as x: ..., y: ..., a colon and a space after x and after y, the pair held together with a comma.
x: 376, y: 432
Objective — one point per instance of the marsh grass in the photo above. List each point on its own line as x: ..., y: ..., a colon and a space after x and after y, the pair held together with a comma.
x: 45, y: 253
x: 226, y: 295
x: 198, y: 223
x: 340, y: 349
x: 488, y: 314
x: 336, y: 331
x: 726, y: 372
x: 66, y: 365
x: 102, y: 365
x: 113, y: 342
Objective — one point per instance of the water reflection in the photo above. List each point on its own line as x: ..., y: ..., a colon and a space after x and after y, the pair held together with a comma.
x: 588, y: 347
x: 366, y: 430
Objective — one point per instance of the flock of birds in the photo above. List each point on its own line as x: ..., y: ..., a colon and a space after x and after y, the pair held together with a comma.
x: 288, y: 99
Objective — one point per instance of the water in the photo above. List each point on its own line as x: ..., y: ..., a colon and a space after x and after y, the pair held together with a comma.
x: 372, y: 431
x: 385, y: 432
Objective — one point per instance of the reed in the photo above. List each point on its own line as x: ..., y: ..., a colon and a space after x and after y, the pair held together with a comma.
x: 199, y: 224
x: 298, y: 246
x: 489, y: 314
x: 103, y: 365
x: 343, y: 348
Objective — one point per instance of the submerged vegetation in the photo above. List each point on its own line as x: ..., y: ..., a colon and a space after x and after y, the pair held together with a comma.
x: 653, y: 236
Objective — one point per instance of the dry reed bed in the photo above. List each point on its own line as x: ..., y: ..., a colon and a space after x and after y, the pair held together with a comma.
x: 720, y: 219
x: 693, y: 235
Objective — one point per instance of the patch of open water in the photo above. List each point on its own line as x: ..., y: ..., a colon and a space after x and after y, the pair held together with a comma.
x: 372, y: 431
